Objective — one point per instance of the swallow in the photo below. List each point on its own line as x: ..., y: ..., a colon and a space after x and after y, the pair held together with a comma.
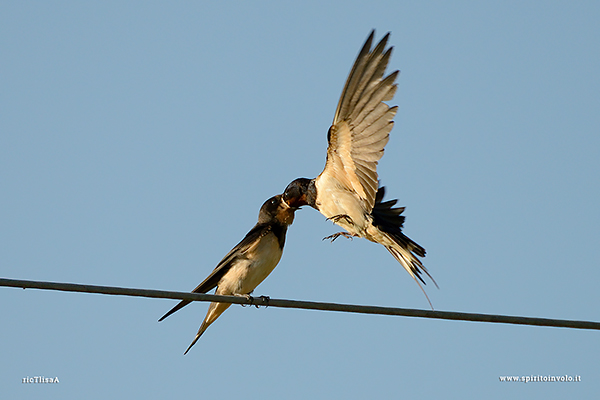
x: 347, y: 192
x: 248, y: 263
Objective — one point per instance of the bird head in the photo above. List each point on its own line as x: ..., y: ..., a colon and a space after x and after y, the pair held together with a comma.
x: 275, y: 209
x: 295, y: 193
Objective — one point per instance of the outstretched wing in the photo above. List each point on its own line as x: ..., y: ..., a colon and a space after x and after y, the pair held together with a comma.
x: 362, y: 123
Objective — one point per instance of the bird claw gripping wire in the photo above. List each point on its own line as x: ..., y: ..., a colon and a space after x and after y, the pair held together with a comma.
x: 249, y: 298
x: 264, y: 300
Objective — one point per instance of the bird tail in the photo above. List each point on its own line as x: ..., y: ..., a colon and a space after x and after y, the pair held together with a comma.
x: 412, y: 265
x: 389, y: 220
x: 200, y: 332
x: 214, y: 311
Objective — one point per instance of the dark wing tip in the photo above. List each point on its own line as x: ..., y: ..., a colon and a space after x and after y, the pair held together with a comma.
x: 392, y: 77
x: 178, y: 307
x: 384, y: 40
x: 366, y: 48
x: 370, y: 37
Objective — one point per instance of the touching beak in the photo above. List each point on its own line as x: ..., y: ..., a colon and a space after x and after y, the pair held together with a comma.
x: 287, y: 206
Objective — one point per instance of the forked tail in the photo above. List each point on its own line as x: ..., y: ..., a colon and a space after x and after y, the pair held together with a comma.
x: 389, y: 219
x: 412, y: 265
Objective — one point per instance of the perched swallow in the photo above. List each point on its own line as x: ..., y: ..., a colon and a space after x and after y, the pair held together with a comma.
x: 248, y: 263
x: 347, y: 192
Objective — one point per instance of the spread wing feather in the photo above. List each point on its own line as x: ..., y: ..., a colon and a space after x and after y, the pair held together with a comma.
x: 362, y: 123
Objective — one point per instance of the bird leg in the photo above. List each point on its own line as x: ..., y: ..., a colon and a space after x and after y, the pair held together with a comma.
x: 264, y: 301
x: 248, y: 297
x: 336, y: 218
x: 337, y: 235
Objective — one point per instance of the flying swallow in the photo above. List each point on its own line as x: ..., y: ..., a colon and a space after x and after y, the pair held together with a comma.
x: 248, y: 263
x: 347, y: 192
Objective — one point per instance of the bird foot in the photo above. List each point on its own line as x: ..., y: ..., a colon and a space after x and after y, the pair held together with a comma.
x: 264, y: 301
x: 249, y: 298
x: 261, y: 300
x: 337, y: 218
x: 337, y: 235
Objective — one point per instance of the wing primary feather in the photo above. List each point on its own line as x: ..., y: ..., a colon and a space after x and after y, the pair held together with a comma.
x: 353, y: 78
x: 378, y: 112
x: 373, y: 71
x: 362, y: 123
x: 374, y: 142
x: 383, y: 91
x: 377, y: 131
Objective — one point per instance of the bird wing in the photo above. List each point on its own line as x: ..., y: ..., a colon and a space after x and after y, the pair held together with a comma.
x: 247, y: 244
x: 362, y: 123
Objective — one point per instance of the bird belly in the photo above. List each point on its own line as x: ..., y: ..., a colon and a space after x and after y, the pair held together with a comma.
x: 336, y: 202
x: 249, y: 271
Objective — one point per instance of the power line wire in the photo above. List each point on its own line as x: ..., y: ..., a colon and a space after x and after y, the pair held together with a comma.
x: 305, y: 305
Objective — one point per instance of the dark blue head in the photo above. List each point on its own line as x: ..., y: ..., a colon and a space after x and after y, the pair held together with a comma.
x: 295, y: 194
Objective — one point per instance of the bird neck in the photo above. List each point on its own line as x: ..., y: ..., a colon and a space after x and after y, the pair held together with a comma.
x: 311, y: 194
x: 279, y: 230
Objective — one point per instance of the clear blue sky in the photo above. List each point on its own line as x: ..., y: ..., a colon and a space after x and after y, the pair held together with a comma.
x: 138, y: 141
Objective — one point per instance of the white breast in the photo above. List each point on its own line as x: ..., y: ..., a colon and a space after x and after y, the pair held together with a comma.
x: 333, y: 200
x: 247, y: 273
